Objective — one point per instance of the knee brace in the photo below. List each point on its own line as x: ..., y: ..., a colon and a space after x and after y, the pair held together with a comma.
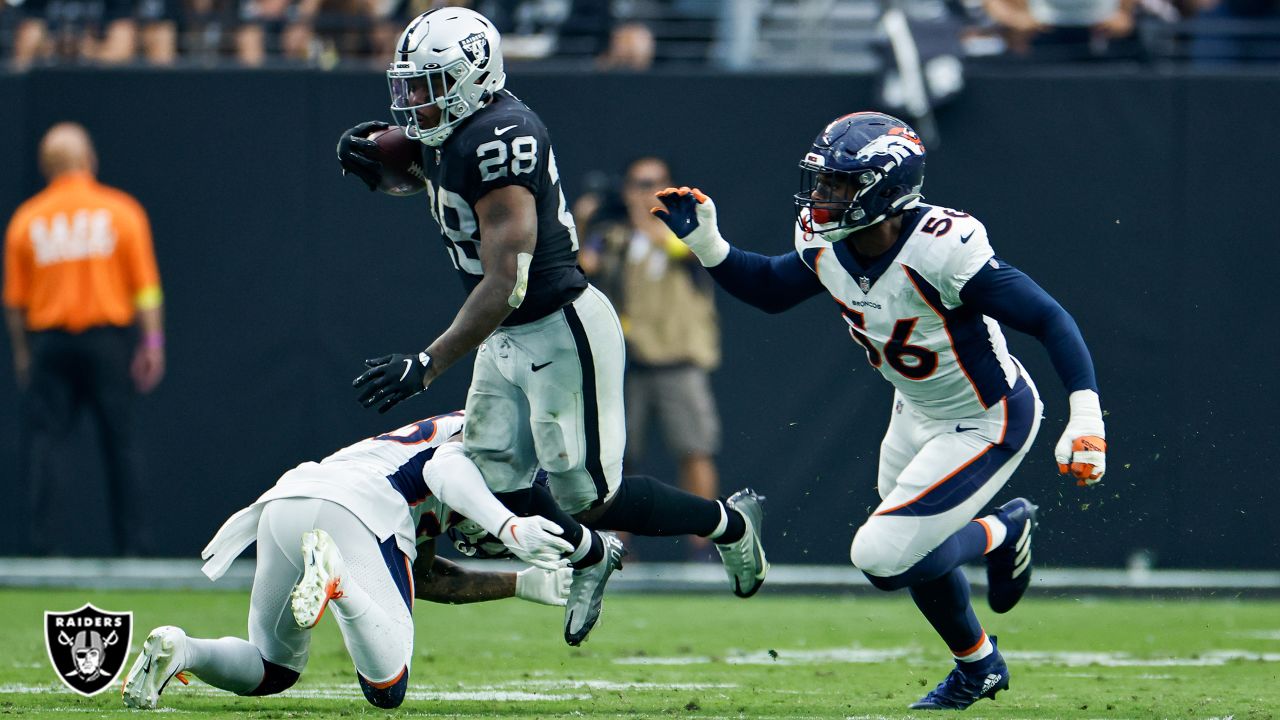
x: 275, y: 679
x: 387, y: 696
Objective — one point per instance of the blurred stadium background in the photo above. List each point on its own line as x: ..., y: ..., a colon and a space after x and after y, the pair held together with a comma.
x: 1128, y: 167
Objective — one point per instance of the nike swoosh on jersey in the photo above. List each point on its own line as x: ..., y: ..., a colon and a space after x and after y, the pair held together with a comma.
x: 499, y: 131
x: 408, y: 365
x: 964, y: 429
x: 965, y: 238
x: 536, y: 368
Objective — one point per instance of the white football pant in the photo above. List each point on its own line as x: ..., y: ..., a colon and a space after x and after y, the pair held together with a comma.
x: 378, y: 630
x: 549, y: 394
x: 937, y: 475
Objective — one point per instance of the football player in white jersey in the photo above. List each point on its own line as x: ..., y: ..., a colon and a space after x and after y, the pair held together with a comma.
x: 546, y: 388
x: 921, y: 291
x: 345, y: 532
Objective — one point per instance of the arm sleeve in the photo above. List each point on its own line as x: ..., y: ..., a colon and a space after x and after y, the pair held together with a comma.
x: 771, y: 283
x: 455, y: 480
x: 1006, y: 295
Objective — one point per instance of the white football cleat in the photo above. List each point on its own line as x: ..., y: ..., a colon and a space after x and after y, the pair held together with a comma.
x: 322, y: 569
x: 163, y: 657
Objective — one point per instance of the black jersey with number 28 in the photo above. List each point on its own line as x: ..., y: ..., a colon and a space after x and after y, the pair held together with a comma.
x: 504, y: 144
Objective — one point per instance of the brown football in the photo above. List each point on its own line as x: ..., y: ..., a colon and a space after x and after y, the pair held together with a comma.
x: 401, y: 159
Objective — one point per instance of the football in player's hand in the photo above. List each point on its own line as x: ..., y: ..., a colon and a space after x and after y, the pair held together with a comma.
x: 401, y: 159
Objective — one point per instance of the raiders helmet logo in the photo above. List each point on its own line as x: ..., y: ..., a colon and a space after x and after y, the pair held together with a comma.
x: 88, y: 647
x: 476, y: 47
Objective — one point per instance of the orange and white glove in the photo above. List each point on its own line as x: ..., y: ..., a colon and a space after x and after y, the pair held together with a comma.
x: 1082, y: 449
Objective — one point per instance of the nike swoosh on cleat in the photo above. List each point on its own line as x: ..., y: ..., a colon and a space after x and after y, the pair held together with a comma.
x: 535, y: 367
x: 499, y: 131
x: 964, y: 429
x: 408, y: 365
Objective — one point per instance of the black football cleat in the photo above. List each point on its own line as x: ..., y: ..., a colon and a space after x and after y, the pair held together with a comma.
x: 1009, y: 566
x: 967, y: 684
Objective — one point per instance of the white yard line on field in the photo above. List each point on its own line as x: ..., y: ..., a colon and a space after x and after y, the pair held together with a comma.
x: 863, y: 656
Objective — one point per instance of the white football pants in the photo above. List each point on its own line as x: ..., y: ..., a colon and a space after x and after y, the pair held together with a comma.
x: 937, y: 475
x: 549, y: 394
x: 380, y: 637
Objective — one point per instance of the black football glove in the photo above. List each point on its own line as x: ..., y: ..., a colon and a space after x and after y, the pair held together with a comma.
x: 392, y: 378
x: 356, y: 152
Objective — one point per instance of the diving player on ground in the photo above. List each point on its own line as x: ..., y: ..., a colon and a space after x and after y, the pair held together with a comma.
x: 546, y: 390
x: 344, y: 532
x: 921, y: 291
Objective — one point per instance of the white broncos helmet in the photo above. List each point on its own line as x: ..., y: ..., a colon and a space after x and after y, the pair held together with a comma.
x: 456, y: 54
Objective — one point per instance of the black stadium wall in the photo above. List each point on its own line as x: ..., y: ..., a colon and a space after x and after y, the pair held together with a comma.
x: 1144, y: 203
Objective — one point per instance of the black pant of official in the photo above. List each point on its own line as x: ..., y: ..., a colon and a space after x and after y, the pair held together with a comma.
x: 71, y: 371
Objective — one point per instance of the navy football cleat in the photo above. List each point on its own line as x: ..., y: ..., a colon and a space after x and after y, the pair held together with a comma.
x: 968, y: 683
x: 1009, y: 566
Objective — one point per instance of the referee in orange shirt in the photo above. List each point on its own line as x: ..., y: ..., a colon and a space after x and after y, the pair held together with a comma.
x: 79, y: 272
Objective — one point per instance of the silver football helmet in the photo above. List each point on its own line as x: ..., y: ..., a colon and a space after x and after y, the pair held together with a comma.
x: 450, y: 58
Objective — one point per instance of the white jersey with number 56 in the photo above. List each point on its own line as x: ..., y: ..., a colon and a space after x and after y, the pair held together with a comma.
x: 904, y: 308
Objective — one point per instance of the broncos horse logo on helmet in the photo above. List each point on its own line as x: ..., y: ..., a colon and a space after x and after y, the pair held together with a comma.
x: 863, y: 168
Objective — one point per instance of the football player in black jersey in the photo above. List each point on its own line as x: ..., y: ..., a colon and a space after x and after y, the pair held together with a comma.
x: 546, y: 390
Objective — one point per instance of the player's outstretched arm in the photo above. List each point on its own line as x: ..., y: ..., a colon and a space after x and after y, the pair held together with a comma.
x: 1005, y: 294
x: 771, y: 283
x: 442, y: 581
x: 509, y: 227
x: 454, y: 479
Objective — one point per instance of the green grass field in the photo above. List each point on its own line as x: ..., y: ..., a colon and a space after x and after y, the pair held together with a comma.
x: 713, y: 657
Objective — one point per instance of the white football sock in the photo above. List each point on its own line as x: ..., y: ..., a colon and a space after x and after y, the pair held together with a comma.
x: 722, y: 525
x: 228, y: 663
x: 997, y: 531
x: 584, y: 546
x: 985, y: 648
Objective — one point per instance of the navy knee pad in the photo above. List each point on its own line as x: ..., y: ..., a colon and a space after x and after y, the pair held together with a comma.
x: 275, y: 679
x: 389, y: 697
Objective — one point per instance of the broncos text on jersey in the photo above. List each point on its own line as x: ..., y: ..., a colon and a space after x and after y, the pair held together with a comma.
x: 505, y: 143
x: 904, y: 309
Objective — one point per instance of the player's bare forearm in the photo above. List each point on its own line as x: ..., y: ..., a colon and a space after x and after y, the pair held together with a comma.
x: 151, y: 320
x: 508, y: 219
x: 448, y: 582
x: 485, y: 309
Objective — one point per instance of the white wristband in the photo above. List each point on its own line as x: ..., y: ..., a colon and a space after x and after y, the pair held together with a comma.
x: 1086, y: 412
x: 712, y: 251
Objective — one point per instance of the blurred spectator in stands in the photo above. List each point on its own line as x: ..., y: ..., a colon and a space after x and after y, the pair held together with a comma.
x: 147, y: 25
x: 631, y: 47
x: 1066, y: 29
x: 264, y: 30
x: 50, y: 30
x: 668, y: 314
x: 1219, y: 33
x: 79, y: 272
